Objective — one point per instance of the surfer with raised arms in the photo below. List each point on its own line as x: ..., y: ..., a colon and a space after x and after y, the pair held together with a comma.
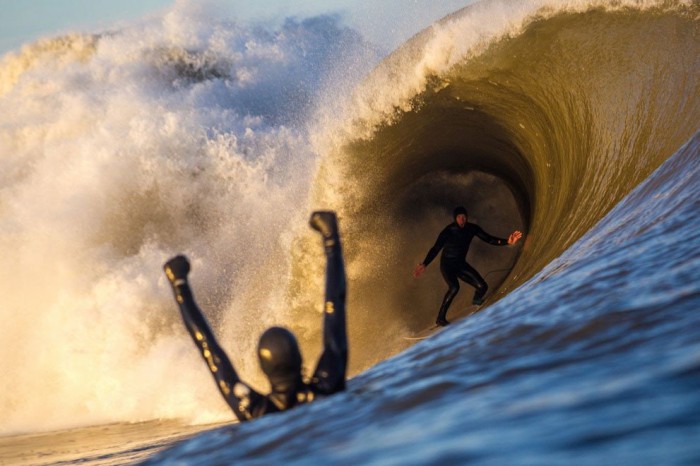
x: 278, y: 350
x: 454, y: 240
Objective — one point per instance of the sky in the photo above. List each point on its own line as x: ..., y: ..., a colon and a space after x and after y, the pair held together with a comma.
x: 24, y: 21
x: 384, y: 22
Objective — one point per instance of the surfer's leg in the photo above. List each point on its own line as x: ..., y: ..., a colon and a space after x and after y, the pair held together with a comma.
x: 469, y: 274
x: 450, y: 276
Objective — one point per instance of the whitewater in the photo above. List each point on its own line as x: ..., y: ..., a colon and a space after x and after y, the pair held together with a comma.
x: 575, y: 121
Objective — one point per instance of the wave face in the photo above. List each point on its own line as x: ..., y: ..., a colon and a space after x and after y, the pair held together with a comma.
x: 540, y: 118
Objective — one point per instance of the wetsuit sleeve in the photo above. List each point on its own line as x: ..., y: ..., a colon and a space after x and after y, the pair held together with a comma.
x: 439, y: 243
x: 478, y: 231
x: 329, y: 376
x: 245, y: 402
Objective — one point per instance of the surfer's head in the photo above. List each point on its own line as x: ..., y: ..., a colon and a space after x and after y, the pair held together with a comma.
x: 460, y: 216
x: 280, y: 359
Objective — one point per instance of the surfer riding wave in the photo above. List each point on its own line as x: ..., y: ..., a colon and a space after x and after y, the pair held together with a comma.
x: 454, y: 241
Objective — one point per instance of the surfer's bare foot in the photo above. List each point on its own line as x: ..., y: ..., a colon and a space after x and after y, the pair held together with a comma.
x: 441, y: 323
x: 177, y: 269
x: 325, y: 222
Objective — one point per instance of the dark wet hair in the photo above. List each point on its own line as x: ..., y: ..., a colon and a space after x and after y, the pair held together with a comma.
x: 459, y: 210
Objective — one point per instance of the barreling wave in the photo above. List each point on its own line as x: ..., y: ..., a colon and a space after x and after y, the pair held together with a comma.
x: 543, y: 117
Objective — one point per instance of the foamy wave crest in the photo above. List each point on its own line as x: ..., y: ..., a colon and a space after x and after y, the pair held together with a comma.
x: 185, y: 134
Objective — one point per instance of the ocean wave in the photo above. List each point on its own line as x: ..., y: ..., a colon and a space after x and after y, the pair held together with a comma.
x: 191, y: 134
x: 535, y: 115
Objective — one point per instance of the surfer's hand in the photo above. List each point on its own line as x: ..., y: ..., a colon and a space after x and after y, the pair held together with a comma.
x: 176, y: 269
x: 418, y: 271
x: 325, y: 222
x: 514, y: 237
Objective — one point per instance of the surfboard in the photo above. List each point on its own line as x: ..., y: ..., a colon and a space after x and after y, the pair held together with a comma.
x: 433, y: 329
x: 425, y: 333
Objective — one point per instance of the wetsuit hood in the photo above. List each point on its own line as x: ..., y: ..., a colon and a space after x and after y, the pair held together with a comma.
x: 280, y: 359
x: 459, y: 210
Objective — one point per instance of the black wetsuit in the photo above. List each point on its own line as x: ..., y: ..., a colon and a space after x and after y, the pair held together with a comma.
x: 329, y: 376
x: 454, y: 242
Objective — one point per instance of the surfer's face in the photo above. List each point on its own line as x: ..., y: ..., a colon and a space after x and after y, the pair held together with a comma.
x: 461, y: 220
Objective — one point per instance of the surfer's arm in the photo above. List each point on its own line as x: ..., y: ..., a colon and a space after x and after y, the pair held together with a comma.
x: 433, y: 252
x: 241, y: 398
x: 478, y: 231
x: 329, y: 376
